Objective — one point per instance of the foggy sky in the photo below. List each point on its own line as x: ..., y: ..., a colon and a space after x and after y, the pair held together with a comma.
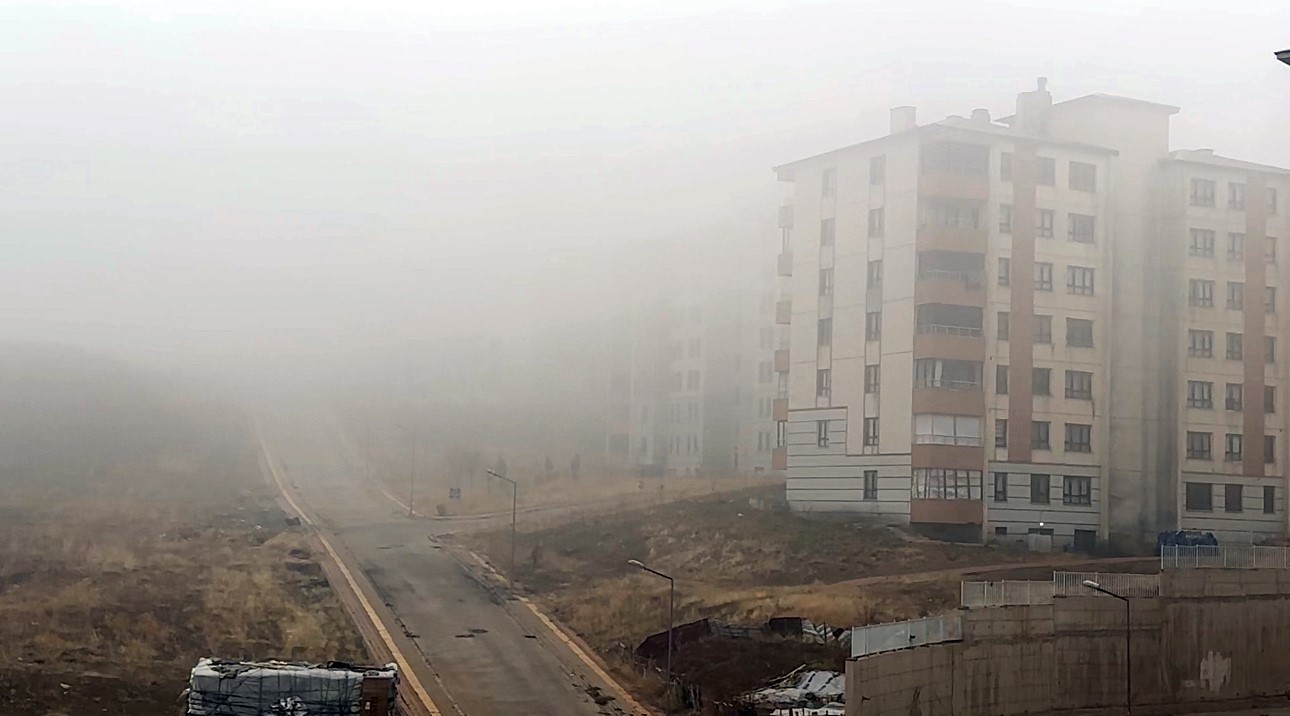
x: 300, y: 178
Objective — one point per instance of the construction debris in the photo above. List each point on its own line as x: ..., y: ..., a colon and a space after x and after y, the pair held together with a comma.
x: 802, y: 692
x: 219, y: 687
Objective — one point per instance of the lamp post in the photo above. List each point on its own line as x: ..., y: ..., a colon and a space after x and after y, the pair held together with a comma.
x: 1128, y: 643
x: 671, y: 608
x: 515, y: 491
x: 412, y: 471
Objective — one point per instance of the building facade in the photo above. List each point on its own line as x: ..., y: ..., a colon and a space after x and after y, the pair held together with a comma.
x: 1035, y: 326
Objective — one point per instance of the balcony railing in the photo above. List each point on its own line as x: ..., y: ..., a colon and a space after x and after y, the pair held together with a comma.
x: 965, y: 331
x: 970, y: 279
x: 947, y: 384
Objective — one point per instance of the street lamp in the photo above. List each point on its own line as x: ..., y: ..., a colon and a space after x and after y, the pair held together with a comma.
x: 1128, y: 641
x: 412, y: 471
x: 515, y: 491
x: 671, y: 608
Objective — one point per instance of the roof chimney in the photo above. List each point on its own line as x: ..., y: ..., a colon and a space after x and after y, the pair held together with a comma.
x: 981, y: 116
x: 903, y: 119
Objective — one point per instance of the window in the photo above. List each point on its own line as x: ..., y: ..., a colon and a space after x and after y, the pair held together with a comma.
x: 1005, y: 166
x: 1235, y: 346
x: 765, y: 371
x: 1083, y: 177
x: 873, y: 275
x: 1044, y: 226
x: 1269, y: 399
x: 826, y: 232
x: 1202, y: 192
x: 1269, y: 299
x: 1202, y: 243
x: 1001, y: 433
x: 1039, y: 485
x: 870, y: 484
x: 1005, y: 218
x: 823, y: 382
x: 1003, y: 325
x: 822, y: 433
x: 873, y: 325
x: 946, y: 373
x: 1043, y: 276
x: 781, y: 433
x: 1269, y: 500
x: 1200, y: 344
x: 875, y: 223
x: 1269, y: 449
x: 1233, y: 498
x: 1269, y: 349
x: 871, y: 379
x: 692, y: 380
x: 1001, y: 380
x: 1272, y: 200
x: 1000, y: 487
x: 1270, y: 250
x: 1039, y: 381
x: 1235, y: 247
x: 1047, y: 171
x: 1235, y: 296
x: 1200, y: 394
x: 1233, y: 447
x: 767, y: 338
x: 1234, y: 397
x: 696, y: 347
x: 829, y: 183
x: 1235, y: 196
x: 1199, y: 497
x: 877, y: 169
x: 946, y: 484
x: 1079, y: 437
x: 1198, y: 446
x: 1039, y: 435
x: 826, y: 282
x: 1043, y: 329
x: 1005, y: 266
x: 1200, y: 292
x: 947, y: 430
x: 870, y: 432
x: 824, y: 332
x: 1079, y: 280
x: 1080, y: 228
x: 1079, y: 332
x: 1079, y: 385
x: 1077, y: 490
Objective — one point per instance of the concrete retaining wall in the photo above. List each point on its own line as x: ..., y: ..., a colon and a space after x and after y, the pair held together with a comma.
x: 1213, y: 636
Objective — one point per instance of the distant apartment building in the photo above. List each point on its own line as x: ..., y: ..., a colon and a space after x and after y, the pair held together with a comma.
x: 691, y: 380
x: 1047, y: 324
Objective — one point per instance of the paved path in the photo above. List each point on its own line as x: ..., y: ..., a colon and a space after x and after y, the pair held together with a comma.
x: 491, y: 654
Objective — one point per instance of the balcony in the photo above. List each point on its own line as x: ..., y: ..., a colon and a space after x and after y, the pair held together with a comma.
x: 949, y: 401
x: 784, y: 312
x: 956, y: 457
x: 779, y: 409
x: 784, y: 264
x: 945, y: 184
x: 781, y: 360
x: 949, y: 342
x: 786, y: 216
x: 779, y: 458
x: 948, y: 237
x: 964, y: 288
x: 947, y: 512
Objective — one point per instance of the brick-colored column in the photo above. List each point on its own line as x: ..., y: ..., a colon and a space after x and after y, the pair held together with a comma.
x: 1021, y: 317
x: 1256, y: 269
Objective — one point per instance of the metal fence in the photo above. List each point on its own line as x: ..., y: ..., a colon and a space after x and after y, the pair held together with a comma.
x: 998, y: 594
x: 1071, y: 584
x: 1224, y: 556
x: 877, y: 638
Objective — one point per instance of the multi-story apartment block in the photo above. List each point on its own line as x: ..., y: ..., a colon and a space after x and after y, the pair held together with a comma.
x: 692, y: 383
x: 1036, y: 326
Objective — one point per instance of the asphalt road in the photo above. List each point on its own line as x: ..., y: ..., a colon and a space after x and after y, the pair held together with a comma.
x: 491, y: 655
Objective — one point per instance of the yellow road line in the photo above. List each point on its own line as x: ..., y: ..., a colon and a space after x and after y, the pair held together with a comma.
x: 405, y: 668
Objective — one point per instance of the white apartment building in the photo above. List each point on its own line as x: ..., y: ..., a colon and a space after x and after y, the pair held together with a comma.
x: 1013, y: 327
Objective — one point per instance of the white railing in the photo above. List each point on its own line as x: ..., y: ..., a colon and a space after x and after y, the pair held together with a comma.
x: 950, y: 330
x: 971, y: 279
x: 877, y: 638
x: 1224, y: 556
x: 948, y: 384
x: 1006, y: 593
x: 1071, y: 584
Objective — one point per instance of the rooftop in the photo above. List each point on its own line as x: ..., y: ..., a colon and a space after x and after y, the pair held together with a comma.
x: 1207, y: 156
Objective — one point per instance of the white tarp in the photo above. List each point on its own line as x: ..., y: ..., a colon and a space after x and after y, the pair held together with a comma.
x: 236, y: 688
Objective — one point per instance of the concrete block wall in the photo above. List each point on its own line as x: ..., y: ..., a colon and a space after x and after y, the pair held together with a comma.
x: 1213, y: 636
